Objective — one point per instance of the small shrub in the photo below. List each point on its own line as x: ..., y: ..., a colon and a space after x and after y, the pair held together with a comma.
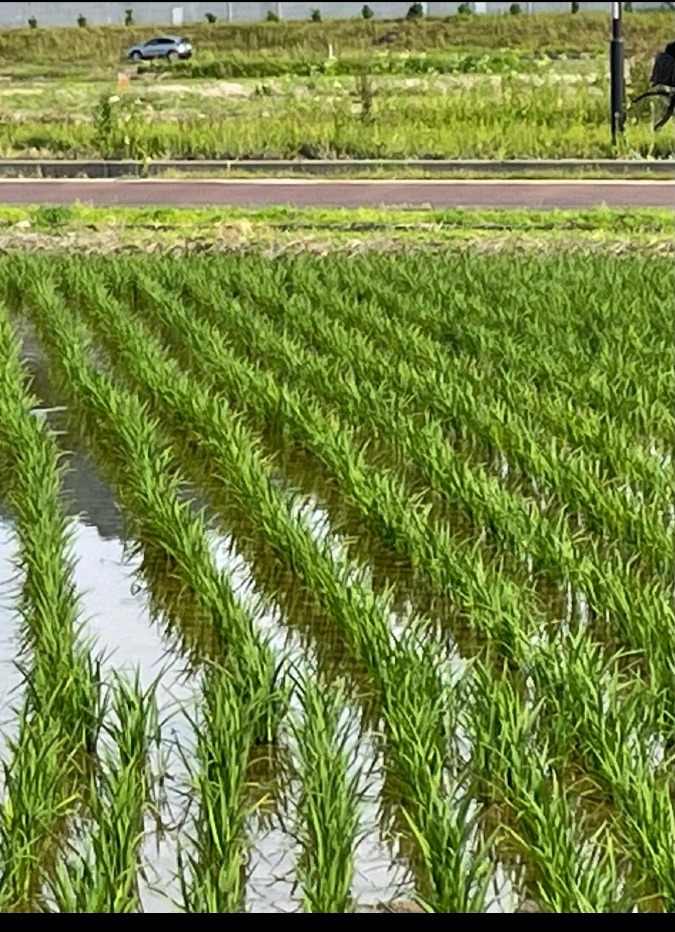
x: 464, y: 9
x: 575, y: 7
x: 32, y: 22
x: 416, y: 11
x: 82, y: 21
x: 628, y: 7
x: 128, y: 17
x: 315, y: 16
x: 367, y: 13
x: 515, y: 9
x: 53, y: 216
x: 210, y: 17
x: 272, y: 17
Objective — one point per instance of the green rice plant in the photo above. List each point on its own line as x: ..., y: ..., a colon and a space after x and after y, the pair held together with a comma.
x: 235, y: 460
x: 480, y: 342
x: 104, y: 879
x: 550, y: 551
x: 38, y: 797
x: 213, y: 869
x: 506, y: 744
x: 643, y: 614
x: 569, y: 863
x: 567, y: 750
x: 609, y: 723
x: 44, y: 783
x: 55, y: 655
x: 455, y: 568
x: 328, y: 808
x: 576, y: 871
x: 436, y: 804
x: 133, y: 453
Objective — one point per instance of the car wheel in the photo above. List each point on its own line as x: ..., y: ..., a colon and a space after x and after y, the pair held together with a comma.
x: 135, y: 56
x: 172, y: 55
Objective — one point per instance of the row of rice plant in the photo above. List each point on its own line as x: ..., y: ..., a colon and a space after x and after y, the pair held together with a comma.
x: 127, y: 442
x: 640, y: 614
x: 206, y: 346
x: 552, y: 770
x: 506, y: 335
x: 425, y: 378
x: 44, y: 779
x: 406, y: 672
x: 490, y: 601
x: 104, y: 876
x: 328, y: 817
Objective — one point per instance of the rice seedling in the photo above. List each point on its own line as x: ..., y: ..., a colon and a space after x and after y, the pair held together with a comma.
x: 328, y: 806
x: 213, y: 870
x: 363, y: 617
x: 150, y: 497
x: 61, y: 717
x: 383, y: 503
x: 105, y: 878
x: 643, y: 613
x: 461, y: 420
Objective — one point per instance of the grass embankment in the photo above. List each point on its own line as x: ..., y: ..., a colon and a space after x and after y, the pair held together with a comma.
x: 281, y: 229
x: 584, y: 32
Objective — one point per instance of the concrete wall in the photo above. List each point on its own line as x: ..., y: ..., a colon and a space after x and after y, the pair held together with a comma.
x: 16, y: 14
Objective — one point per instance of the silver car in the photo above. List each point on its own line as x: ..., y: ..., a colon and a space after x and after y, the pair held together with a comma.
x: 160, y: 47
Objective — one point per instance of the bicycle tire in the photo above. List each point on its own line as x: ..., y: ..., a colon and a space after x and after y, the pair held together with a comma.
x: 668, y: 98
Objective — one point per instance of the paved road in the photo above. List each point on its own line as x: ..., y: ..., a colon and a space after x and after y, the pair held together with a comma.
x: 312, y: 193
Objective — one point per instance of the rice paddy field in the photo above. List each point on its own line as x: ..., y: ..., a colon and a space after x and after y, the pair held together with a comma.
x: 337, y: 583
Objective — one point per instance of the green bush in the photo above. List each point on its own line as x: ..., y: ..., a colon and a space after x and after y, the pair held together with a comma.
x: 416, y: 11
x: 82, y: 21
x: 315, y: 16
x: 32, y: 22
x: 211, y: 18
x: 367, y: 13
x: 503, y: 62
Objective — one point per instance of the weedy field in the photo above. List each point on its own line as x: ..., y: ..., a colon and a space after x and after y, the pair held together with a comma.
x: 466, y: 87
x: 402, y: 528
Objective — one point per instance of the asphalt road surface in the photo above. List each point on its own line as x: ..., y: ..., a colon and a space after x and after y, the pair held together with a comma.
x: 362, y: 193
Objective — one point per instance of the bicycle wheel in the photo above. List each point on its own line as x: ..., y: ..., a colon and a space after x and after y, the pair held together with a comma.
x: 654, y: 109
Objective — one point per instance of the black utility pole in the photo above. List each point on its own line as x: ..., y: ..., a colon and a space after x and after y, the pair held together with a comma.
x: 616, y: 73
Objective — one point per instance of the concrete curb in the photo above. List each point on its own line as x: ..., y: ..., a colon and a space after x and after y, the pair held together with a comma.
x: 62, y: 168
